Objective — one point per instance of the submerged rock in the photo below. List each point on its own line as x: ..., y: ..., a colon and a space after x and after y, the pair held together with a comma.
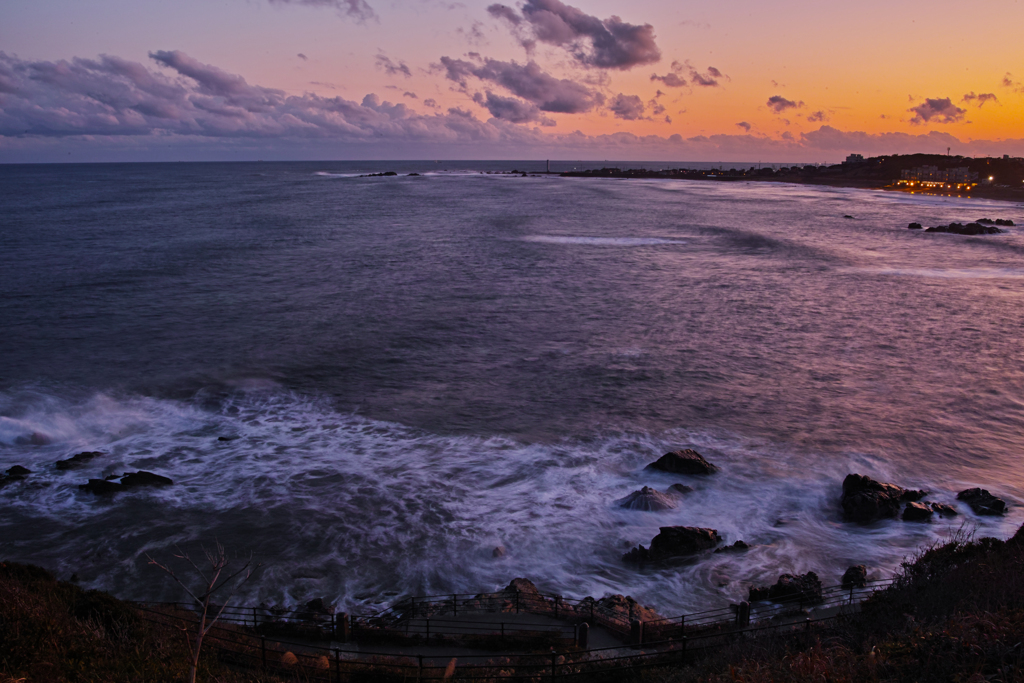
x: 101, y: 487
x: 675, y: 541
x: 982, y: 502
x: 789, y: 588
x: 679, y: 489
x: 18, y: 471
x: 142, y: 478
x: 77, y: 460
x: 499, y: 551
x: 998, y: 221
x: 915, y: 226
x: 686, y: 461
x: 969, y: 229
x: 917, y: 512
x: 648, y: 500
x: 855, y: 577
x: 866, y: 500
x: 737, y: 547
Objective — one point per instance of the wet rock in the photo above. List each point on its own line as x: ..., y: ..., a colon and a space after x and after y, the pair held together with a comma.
x: 142, y: 478
x: 101, y: 487
x: 915, y: 226
x: 982, y: 502
x: 686, y: 461
x: 226, y: 438
x: 624, y: 608
x: 969, y: 229
x: 679, y: 489
x: 18, y: 471
x: 998, y: 221
x: 499, y: 551
x: 648, y: 500
x: 855, y: 577
x: 917, y: 512
x: 675, y: 541
x: 866, y: 500
x: 805, y: 588
x: 77, y: 460
x: 737, y: 547
x: 944, y: 510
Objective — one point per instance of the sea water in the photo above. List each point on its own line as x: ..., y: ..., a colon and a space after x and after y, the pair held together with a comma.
x: 370, y: 383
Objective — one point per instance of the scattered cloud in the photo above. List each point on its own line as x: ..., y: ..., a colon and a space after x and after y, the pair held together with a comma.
x: 628, y: 107
x: 512, y: 109
x: 818, y: 117
x: 937, y: 110
x: 410, y: 95
x: 676, y: 77
x: 430, y: 102
x: 302, y: 57
x: 357, y: 9
x: 529, y: 82
x: 779, y: 104
x: 980, y: 100
x: 390, y: 68
x: 744, y: 125
x: 474, y: 35
x: 602, y: 43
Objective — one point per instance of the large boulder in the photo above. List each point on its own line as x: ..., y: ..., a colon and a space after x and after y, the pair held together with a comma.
x: 866, y: 500
x: 673, y: 542
x: 521, y: 586
x: 625, y: 609
x: 648, y: 500
x: 101, y: 487
x: 18, y: 471
x: 805, y: 588
x: 855, y: 577
x: 982, y: 502
x: 686, y: 461
x: 944, y: 510
x: 77, y: 460
x: 969, y: 229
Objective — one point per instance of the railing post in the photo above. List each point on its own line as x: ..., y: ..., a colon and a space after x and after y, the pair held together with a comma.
x: 428, y: 629
x: 254, y: 615
x: 334, y: 625
x: 503, y: 631
x: 583, y: 636
x: 337, y: 665
x: 455, y: 605
x: 554, y: 663
x: 517, y: 601
x: 558, y: 599
x: 419, y: 671
x: 682, y: 626
x: 682, y: 651
x: 344, y: 634
x: 263, y: 651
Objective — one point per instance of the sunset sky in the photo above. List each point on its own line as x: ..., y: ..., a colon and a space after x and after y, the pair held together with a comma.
x: 776, y: 80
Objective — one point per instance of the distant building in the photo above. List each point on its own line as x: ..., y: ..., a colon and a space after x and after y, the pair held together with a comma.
x: 854, y: 159
x: 932, y: 174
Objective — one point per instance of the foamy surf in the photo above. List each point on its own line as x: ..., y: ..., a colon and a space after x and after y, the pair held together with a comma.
x: 358, y: 511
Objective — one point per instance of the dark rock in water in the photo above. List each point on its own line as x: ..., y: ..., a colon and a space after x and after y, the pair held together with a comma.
x: 969, y: 229
x: 499, y: 551
x: 101, y: 487
x: 982, y: 502
x: 141, y: 478
x: 226, y: 438
x: 917, y: 512
x: 316, y: 605
x: 112, y: 477
x: 915, y: 226
x: 998, y: 221
x: 790, y: 588
x: 686, y: 461
x: 647, y: 499
x: 679, y: 489
x: 944, y: 510
x: 855, y: 577
x: 847, y: 216
x: 866, y: 500
x: 675, y: 541
x: 18, y: 471
x: 77, y: 459
x: 1004, y: 221
x: 413, y: 175
x: 33, y: 439
x: 737, y: 547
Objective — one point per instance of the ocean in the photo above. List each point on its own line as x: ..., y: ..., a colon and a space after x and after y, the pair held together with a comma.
x: 411, y: 371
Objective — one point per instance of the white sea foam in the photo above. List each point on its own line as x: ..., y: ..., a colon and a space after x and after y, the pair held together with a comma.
x: 356, y: 510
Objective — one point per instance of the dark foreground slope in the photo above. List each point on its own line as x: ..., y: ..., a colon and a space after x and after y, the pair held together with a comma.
x: 954, y: 613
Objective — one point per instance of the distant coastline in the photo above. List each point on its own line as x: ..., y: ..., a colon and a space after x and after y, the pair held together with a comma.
x: 999, y: 178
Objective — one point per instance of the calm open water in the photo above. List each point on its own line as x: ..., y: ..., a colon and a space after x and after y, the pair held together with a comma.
x: 420, y: 369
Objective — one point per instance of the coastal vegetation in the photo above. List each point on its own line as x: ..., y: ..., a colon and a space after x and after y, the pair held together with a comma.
x: 955, y: 612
